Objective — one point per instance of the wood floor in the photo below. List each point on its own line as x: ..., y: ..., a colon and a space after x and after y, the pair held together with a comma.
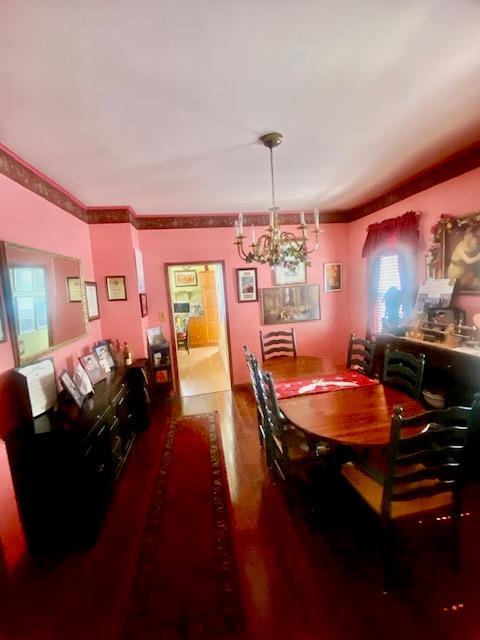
x: 201, y: 370
x: 302, y: 577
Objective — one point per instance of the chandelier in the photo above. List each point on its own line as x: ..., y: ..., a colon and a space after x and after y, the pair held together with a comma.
x: 276, y: 247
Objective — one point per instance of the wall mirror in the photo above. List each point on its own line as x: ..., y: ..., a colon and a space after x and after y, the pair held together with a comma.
x: 44, y: 296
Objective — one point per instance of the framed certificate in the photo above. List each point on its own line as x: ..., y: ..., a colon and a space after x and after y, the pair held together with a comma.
x: 116, y: 288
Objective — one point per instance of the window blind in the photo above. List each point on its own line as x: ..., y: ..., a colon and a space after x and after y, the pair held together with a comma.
x: 389, y: 277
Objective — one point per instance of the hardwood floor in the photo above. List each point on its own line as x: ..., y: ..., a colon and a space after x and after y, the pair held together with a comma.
x: 303, y: 575
x: 201, y: 371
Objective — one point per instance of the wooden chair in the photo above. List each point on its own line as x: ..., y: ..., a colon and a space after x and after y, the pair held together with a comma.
x: 360, y: 355
x: 182, y: 338
x: 404, y: 371
x: 254, y: 371
x: 423, y: 475
x: 288, y: 452
x: 278, y: 343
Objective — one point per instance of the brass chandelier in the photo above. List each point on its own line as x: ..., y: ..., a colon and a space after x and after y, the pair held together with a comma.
x: 277, y: 247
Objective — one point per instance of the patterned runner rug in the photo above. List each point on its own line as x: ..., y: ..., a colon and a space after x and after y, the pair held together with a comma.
x: 186, y: 585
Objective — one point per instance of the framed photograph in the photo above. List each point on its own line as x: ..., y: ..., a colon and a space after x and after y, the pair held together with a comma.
x: 185, y: 278
x: 284, y: 275
x: 81, y: 380
x: 143, y: 304
x: 116, y: 288
x: 74, y: 289
x: 3, y: 335
x: 71, y: 388
x: 443, y: 316
x: 103, y: 353
x: 332, y: 276
x: 460, y: 240
x: 91, y: 295
x: 247, y: 285
x: 92, y: 366
x: 298, y: 303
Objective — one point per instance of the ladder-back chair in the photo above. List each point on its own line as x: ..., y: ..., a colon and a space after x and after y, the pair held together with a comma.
x: 278, y: 343
x: 404, y: 371
x: 360, y: 355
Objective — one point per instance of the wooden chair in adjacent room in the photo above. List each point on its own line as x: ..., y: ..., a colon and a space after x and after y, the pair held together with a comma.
x: 360, y: 355
x: 404, y: 371
x: 423, y: 475
x: 278, y: 343
x: 254, y: 371
x: 182, y: 338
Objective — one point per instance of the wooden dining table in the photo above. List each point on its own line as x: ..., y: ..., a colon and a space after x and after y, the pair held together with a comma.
x: 356, y: 417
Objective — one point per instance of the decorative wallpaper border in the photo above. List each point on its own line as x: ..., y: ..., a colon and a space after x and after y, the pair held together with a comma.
x: 27, y: 176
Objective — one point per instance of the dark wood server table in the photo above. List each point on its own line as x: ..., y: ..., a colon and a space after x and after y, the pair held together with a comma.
x: 66, y: 461
x: 454, y: 372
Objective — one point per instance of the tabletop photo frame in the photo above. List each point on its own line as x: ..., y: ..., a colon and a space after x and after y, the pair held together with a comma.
x: 92, y: 366
x: 116, y: 288
x: 71, y: 388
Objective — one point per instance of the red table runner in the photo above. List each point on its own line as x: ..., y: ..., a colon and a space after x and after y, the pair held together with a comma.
x: 331, y: 382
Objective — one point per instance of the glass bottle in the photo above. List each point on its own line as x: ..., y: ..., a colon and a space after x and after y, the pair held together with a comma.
x: 127, y: 355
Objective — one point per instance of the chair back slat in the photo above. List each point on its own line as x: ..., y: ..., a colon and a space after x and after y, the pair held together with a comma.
x: 278, y: 343
x: 404, y: 371
x: 360, y: 355
x: 430, y: 462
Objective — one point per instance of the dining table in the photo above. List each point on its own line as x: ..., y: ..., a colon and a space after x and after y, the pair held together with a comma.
x: 350, y: 416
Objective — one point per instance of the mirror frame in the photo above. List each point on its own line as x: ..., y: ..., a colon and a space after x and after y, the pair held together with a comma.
x: 8, y: 300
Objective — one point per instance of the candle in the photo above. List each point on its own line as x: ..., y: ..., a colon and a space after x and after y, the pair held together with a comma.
x: 317, y: 219
x: 302, y: 218
x: 237, y: 233
x: 240, y: 223
x: 253, y: 235
x: 271, y: 219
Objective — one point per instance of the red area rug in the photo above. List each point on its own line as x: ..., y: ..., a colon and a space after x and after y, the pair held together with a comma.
x: 331, y: 382
x: 186, y: 585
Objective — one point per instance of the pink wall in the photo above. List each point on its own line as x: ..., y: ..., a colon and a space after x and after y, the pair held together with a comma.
x: 28, y: 219
x: 326, y: 337
x: 458, y: 196
x: 112, y: 250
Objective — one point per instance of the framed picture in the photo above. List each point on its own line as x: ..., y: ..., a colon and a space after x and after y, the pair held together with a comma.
x: 104, y: 353
x: 116, y: 288
x: 185, y: 278
x: 3, y: 335
x: 460, y: 240
x: 284, y: 275
x: 91, y: 295
x: 92, y: 366
x: 247, y: 285
x: 443, y: 316
x: 332, y: 276
x: 143, y: 304
x: 71, y: 388
x: 74, y: 289
x: 298, y: 303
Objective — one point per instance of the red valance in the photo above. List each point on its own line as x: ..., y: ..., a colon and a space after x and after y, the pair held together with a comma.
x: 403, y: 229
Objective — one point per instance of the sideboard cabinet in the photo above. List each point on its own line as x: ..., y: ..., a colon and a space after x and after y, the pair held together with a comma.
x: 65, y: 462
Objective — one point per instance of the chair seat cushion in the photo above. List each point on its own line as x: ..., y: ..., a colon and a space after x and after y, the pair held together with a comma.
x: 372, y: 491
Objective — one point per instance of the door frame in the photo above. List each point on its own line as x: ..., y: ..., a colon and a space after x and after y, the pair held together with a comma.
x: 173, y: 334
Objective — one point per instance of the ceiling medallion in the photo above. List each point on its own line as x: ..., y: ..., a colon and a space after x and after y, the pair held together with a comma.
x: 277, y: 247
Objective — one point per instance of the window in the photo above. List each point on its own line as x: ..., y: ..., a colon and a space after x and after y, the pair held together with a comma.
x: 389, y: 277
x: 30, y: 298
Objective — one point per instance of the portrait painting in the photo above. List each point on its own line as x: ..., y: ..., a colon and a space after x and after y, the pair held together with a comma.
x: 298, y: 303
x: 461, y: 256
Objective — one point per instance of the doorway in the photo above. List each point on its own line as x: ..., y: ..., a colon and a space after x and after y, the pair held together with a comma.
x: 199, y: 319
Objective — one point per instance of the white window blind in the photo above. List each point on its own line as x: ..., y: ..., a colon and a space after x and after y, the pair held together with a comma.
x: 389, y: 277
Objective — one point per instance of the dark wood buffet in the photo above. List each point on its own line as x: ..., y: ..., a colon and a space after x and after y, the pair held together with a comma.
x: 65, y: 462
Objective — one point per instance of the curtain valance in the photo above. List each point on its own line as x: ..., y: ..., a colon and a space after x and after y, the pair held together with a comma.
x: 403, y: 229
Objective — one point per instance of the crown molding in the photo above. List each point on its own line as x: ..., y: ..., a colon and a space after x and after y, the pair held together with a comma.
x: 17, y: 169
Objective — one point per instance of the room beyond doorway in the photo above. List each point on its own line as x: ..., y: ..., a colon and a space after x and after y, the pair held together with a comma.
x: 199, y: 319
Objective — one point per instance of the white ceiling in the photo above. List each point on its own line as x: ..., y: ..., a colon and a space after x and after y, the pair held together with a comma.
x: 158, y: 104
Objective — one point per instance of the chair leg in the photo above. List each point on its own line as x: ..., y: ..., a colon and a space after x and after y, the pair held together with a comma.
x: 387, y: 556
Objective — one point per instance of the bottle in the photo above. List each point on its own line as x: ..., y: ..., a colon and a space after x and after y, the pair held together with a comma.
x: 127, y: 355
